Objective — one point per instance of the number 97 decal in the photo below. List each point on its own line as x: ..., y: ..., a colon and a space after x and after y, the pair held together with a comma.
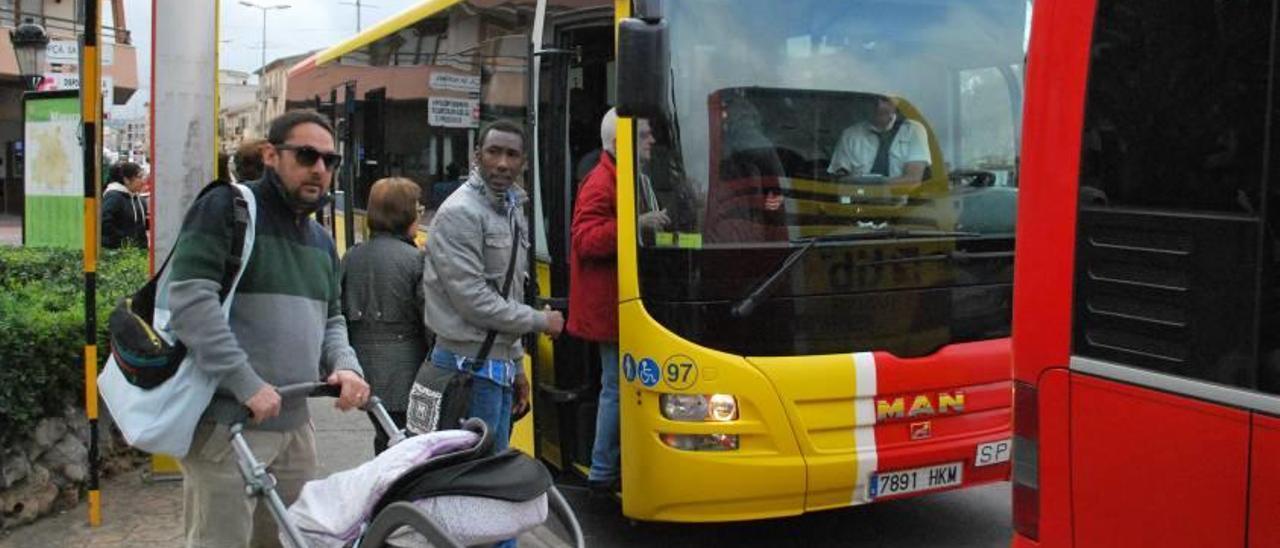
x: 679, y: 372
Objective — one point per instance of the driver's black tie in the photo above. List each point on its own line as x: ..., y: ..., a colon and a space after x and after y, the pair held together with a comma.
x: 881, y: 164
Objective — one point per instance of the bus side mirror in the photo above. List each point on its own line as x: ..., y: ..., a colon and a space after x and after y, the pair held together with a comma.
x: 642, y: 68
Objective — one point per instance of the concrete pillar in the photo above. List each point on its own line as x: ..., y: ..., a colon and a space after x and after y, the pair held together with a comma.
x: 184, y: 88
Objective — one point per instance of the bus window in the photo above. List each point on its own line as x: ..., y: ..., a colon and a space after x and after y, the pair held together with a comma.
x: 1171, y: 189
x: 1189, y: 139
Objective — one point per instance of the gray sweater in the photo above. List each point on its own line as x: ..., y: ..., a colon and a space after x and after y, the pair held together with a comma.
x: 468, y: 248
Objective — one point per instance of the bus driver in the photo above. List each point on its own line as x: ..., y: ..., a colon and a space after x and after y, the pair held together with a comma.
x: 887, y: 148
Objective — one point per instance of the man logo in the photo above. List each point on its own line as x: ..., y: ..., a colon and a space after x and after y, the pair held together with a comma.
x: 921, y: 430
x: 921, y: 406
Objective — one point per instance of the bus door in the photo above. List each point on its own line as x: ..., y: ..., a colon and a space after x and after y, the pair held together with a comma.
x: 1164, y: 431
x: 574, y: 91
x: 373, y: 115
x: 348, y: 146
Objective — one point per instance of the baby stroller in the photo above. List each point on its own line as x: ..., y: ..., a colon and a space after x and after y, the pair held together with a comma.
x: 442, y: 489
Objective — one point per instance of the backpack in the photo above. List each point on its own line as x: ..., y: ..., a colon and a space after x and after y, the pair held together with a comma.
x: 145, y: 357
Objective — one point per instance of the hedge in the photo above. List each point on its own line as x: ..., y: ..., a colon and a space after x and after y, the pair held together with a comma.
x: 42, y: 328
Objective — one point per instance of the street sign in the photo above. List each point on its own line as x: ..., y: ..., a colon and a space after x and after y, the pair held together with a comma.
x: 448, y: 112
x: 447, y: 81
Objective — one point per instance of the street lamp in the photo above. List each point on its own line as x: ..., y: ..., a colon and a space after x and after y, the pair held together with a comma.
x: 359, y: 7
x: 264, y: 9
x: 262, y: 87
x: 30, y: 42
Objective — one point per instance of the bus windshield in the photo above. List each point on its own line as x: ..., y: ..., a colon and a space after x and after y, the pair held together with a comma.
x: 824, y: 124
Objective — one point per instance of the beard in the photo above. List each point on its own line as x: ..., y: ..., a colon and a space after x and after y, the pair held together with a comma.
x: 306, y: 196
x: 497, y: 183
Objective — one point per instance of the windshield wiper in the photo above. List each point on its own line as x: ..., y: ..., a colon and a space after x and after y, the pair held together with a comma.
x: 955, y: 255
x: 748, y: 304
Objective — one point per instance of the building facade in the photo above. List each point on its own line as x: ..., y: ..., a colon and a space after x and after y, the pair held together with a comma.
x: 238, y: 110
x: 273, y: 92
x: 63, y: 23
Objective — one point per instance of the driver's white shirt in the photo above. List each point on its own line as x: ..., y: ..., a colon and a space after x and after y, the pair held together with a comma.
x: 855, y: 152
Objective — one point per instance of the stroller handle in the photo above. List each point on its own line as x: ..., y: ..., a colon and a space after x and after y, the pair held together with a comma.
x: 317, y: 389
x: 373, y: 406
x: 309, y: 390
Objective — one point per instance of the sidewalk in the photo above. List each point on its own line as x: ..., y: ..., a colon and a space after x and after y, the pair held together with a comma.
x: 141, y: 513
x: 10, y: 230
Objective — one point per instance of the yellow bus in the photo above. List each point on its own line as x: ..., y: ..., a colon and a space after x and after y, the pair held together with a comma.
x: 813, y: 330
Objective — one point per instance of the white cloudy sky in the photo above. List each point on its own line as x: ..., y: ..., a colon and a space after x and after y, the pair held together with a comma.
x: 306, y: 25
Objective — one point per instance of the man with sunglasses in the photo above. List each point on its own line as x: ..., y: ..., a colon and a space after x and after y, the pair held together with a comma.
x: 285, y: 327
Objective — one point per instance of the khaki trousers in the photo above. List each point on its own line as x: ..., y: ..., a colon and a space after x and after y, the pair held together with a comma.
x: 215, y: 510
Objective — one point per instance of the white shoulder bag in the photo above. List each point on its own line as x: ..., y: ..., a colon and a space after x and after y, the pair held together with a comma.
x: 163, y: 419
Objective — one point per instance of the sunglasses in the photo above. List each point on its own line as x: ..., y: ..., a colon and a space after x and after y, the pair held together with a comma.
x: 308, y: 155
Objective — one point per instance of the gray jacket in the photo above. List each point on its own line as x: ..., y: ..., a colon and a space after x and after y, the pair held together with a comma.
x: 468, y: 247
x: 382, y: 301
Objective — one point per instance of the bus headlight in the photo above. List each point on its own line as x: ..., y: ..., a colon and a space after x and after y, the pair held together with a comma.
x: 699, y: 407
x: 723, y: 408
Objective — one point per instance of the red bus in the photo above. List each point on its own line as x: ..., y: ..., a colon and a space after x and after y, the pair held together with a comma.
x: 1147, y: 282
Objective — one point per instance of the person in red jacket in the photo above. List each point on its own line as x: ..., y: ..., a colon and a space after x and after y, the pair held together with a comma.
x: 593, y: 288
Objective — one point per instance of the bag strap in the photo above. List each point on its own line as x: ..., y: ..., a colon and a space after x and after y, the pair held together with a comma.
x: 144, y: 298
x: 240, y: 225
x: 240, y: 222
x: 506, y: 282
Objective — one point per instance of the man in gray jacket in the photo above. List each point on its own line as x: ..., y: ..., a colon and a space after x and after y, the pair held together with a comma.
x: 468, y: 254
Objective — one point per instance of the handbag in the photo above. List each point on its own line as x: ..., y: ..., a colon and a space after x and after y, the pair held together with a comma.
x: 144, y: 356
x: 163, y: 417
x: 440, y: 397
x: 438, y: 400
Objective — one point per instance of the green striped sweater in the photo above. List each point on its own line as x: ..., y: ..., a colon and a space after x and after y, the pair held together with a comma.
x: 286, y: 324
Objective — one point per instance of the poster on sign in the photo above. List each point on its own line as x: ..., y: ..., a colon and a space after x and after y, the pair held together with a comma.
x: 53, y: 175
x: 67, y: 52
x: 448, y: 112
x: 63, y: 72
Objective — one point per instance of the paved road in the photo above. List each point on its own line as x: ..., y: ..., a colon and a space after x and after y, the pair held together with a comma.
x: 977, y: 517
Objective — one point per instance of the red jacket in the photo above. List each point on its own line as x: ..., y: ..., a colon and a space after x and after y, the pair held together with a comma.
x: 593, y: 257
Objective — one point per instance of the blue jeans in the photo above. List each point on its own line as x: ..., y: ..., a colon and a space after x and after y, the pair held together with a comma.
x: 490, y: 402
x: 605, y: 454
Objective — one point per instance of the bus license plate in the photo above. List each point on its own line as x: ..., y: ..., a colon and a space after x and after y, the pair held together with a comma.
x: 901, y: 482
x: 995, y: 452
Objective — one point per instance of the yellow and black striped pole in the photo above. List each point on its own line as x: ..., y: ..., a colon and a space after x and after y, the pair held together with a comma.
x: 91, y: 114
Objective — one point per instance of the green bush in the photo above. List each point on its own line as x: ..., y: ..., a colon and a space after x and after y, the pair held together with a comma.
x: 42, y: 328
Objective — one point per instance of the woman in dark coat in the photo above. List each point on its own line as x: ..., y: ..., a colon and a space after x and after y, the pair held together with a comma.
x: 124, y: 211
x: 382, y: 297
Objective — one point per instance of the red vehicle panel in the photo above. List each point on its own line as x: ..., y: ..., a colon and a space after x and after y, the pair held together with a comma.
x: 1057, y: 64
x: 954, y: 365
x: 962, y: 392
x: 1188, y: 489
x: 1264, y: 496
x: 1120, y: 441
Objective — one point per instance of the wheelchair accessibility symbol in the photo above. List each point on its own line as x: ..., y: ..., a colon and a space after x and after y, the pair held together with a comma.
x: 649, y: 373
x: 629, y: 367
